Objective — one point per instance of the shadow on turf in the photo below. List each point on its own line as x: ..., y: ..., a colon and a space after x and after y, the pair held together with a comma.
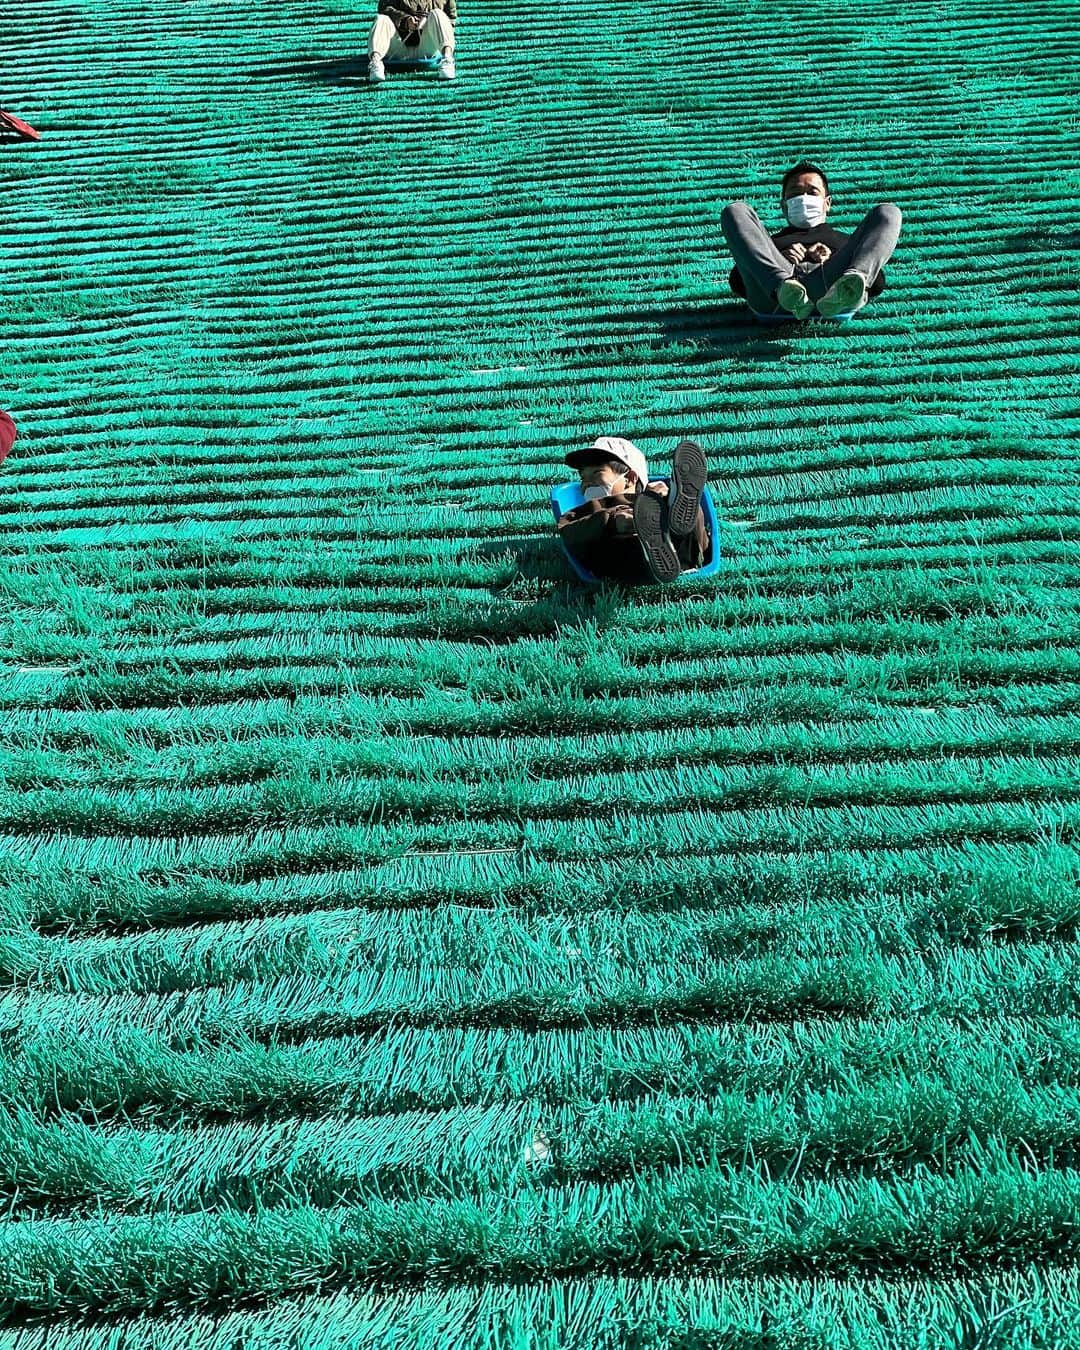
x: 351, y: 72
x: 536, y: 559
x: 543, y: 560
x: 318, y: 71
x: 562, y: 603
x: 727, y: 329
x: 1042, y: 241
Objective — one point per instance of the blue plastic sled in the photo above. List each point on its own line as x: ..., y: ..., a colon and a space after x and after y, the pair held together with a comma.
x: 415, y: 63
x: 565, y: 496
x: 782, y: 316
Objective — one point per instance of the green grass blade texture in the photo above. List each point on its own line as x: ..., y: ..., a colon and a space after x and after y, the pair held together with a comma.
x: 403, y: 946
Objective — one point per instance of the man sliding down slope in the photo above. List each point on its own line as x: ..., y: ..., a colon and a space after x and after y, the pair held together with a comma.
x: 808, y: 263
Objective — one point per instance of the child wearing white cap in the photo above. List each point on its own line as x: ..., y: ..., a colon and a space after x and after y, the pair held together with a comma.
x: 631, y: 529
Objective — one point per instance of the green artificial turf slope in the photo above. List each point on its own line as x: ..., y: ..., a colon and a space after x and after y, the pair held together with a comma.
x: 403, y: 946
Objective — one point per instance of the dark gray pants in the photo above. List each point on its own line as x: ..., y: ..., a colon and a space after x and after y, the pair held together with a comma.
x: 764, y: 268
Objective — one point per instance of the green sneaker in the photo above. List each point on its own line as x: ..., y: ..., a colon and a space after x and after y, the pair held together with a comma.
x: 792, y: 296
x: 847, y: 294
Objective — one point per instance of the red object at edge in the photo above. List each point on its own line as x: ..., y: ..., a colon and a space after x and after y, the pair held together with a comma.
x: 7, y: 435
x: 17, y: 125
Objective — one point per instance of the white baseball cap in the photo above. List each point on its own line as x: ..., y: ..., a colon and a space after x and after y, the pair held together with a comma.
x: 612, y: 447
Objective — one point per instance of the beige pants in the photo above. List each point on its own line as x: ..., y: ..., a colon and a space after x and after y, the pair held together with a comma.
x: 436, y: 33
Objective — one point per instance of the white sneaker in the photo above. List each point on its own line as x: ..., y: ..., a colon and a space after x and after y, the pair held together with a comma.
x: 376, y: 71
x: 446, y: 68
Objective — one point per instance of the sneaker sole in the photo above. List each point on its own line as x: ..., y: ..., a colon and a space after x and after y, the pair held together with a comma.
x: 793, y: 299
x: 654, y: 539
x: 689, y: 473
x: 844, y: 296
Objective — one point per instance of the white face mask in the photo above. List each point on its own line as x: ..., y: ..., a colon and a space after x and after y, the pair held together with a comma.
x: 805, y: 211
x: 618, y: 488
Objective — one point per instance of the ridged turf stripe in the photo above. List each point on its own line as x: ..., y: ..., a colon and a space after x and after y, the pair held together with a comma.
x: 68, y: 1169
x: 590, y: 1313
x: 866, y: 1222
x: 58, y: 1073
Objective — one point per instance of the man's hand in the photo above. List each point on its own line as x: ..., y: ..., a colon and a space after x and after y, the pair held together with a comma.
x: 818, y: 253
x: 794, y: 252
x: 409, y: 24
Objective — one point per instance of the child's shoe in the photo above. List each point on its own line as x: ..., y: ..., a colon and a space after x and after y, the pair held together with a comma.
x: 650, y: 524
x: 689, y: 473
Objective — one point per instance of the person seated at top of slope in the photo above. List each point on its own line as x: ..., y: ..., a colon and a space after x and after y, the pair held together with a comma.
x: 631, y: 529
x: 412, y: 30
x: 808, y: 263
x: 7, y: 435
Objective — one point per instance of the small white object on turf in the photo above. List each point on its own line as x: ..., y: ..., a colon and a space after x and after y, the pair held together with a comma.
x: 446, y: 68
x: 376, y: 71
